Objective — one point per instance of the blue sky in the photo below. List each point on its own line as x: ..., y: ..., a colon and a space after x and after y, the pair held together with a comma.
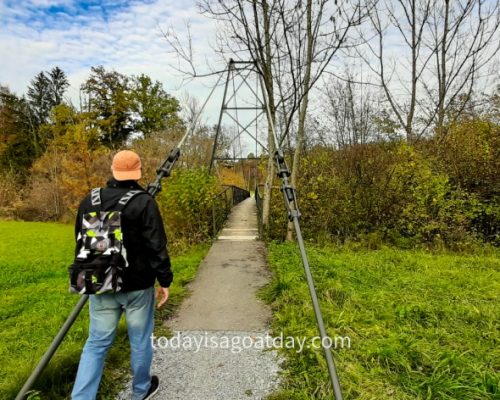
x: 38, y: 35
x: 43, y: 14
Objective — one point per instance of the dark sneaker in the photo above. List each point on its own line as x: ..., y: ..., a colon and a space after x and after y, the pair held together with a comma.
x: 155, y: 384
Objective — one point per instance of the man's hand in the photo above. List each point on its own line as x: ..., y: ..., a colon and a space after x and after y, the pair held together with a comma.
x: 162, y: 296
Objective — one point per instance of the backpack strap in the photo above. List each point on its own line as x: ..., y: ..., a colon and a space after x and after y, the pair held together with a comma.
x: 95, y: 197
x: 122, y: 203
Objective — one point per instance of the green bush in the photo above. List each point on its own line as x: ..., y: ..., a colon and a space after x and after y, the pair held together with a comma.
x: 186, y: 205
x: 469, y: 155
x: 395, y: 193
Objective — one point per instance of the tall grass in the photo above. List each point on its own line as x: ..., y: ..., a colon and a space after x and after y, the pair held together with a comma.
x: 422, y: 325
x: 35, y: 302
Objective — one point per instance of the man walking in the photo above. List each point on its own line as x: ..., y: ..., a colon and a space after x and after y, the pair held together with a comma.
x: 145, y: 242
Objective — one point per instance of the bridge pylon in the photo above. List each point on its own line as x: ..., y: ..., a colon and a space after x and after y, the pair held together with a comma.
x: 243, y: 111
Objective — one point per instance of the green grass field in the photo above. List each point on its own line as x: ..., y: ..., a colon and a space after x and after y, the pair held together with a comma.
x: 422, y: 325
x: 35, y: 302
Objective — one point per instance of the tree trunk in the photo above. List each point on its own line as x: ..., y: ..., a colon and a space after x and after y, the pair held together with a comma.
x: 266, y: 203
x: 414, y: 56
x: 303, y: 110
x: 268, y: 81
x: 443, y: 72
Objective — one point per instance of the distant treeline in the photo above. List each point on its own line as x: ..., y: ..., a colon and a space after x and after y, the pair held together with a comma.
x: 441, y: 189
x: 53, y: 153
x: 112, y: 108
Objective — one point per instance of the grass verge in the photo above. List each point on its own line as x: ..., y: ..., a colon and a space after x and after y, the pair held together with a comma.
x: 35, y: 302
x: 421, y: 325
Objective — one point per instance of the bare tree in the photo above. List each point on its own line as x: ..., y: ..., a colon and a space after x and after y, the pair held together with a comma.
x: 445, y: 47
x: 408, y: 20
x: 291, y: 43
x: 349, y: 109
x: 244, y: 32
x: 313, y: 33
x: 464, y: 39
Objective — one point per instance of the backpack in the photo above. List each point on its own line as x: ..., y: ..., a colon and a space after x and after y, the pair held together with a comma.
x: 101, y: 257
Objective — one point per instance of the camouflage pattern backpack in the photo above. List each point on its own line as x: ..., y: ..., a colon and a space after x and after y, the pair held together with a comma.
x: 101, y: 255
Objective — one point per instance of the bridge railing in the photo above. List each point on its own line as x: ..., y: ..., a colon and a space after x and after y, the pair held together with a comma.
x: 222, y: 204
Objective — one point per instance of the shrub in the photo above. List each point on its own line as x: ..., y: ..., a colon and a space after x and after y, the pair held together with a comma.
x: 387, y: 192
x: 470, y: 155
x: 186, y: 205
x: 10, y: 194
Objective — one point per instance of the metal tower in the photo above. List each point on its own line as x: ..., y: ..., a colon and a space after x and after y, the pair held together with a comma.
x: 242, y: 107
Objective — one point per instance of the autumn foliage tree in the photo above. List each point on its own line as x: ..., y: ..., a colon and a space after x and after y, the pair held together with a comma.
x: 71, y: 166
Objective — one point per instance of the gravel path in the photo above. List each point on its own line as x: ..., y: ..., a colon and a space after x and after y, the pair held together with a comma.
x: 240, y: 371
x: 218, y: 348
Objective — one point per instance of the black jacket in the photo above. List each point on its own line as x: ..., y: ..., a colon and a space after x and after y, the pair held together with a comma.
x: 143, y: 235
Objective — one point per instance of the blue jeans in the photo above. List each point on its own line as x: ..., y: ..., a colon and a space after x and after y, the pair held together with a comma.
x: 105, y: 313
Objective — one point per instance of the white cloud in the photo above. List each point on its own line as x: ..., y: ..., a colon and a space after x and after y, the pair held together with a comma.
x: 48, y: 3
x: 129, y: 40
